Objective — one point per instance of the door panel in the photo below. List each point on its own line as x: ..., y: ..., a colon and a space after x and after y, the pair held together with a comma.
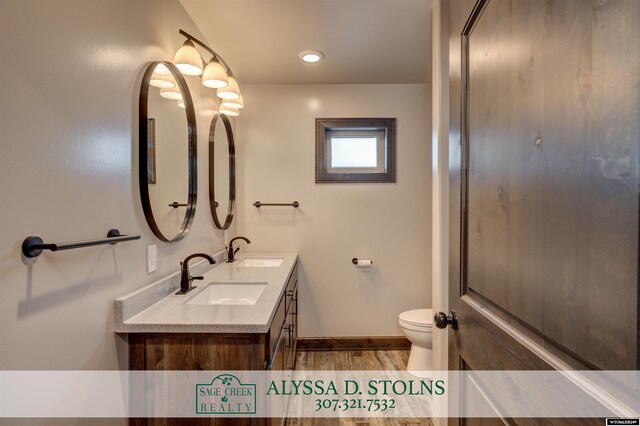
x: 552, y: 182
x: 544, y: 158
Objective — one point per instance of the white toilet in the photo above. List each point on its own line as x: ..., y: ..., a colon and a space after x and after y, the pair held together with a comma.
x: 417, y: 325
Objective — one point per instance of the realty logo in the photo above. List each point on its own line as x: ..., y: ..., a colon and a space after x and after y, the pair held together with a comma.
x: 225, y: 395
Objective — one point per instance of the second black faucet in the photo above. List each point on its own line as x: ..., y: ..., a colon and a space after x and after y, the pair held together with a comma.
x: 231, y: 252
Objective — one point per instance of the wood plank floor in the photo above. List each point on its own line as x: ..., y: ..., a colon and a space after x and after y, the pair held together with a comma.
x: 354, y: 360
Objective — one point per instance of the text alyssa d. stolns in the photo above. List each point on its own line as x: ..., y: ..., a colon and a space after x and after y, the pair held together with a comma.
x: 348, y: 387
x: 350, y: 395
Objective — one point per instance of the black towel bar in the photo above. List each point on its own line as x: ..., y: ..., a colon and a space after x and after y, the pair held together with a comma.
x: 176, y: 204
x: 33, y: 246
x: 258, y: 204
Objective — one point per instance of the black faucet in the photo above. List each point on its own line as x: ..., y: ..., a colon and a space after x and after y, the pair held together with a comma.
x: 186, y: 278
x: 231, y: 252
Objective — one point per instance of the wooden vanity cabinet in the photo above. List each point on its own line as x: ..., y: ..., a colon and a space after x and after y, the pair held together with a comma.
x: 275, y: 350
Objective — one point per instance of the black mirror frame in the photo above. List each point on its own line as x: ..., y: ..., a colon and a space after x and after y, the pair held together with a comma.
x: 232, y: 171
x: 191, y: 149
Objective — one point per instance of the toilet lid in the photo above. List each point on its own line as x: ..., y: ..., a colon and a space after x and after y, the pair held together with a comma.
x: 421, y: 317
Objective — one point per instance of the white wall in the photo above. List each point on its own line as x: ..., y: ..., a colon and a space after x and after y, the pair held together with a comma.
x: 388, y: 223
x: 69, y: 79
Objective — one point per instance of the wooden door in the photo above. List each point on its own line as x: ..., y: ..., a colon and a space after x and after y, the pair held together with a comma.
x: 544, y: 152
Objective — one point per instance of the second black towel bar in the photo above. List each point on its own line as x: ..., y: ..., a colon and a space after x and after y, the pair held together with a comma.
x: 33, y: 246
x: 176, y: 204
x: 258, y: 204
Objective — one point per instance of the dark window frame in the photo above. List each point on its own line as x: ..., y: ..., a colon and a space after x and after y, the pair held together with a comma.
x: 326, y: 125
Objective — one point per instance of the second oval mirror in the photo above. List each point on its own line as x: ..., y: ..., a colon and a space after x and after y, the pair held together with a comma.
x: 222, y: 171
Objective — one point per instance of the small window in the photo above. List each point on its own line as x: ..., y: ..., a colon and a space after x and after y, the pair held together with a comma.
x: 355, y: 150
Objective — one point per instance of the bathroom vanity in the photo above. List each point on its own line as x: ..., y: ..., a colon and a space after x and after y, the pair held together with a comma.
x: 241, y: 316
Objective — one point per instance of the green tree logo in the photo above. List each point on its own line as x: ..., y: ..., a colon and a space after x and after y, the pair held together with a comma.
x: 225, y: 395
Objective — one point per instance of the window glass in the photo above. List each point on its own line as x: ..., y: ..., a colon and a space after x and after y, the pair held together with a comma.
x: 354, y: 152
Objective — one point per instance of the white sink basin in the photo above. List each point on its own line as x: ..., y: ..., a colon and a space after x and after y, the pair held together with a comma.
x: 261, y: 262
x: 229, y: 293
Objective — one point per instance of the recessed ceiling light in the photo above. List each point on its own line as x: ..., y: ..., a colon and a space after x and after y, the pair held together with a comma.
x: 311, y: 55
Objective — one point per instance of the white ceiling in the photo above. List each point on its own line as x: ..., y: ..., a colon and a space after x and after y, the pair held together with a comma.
x: 365, y: 41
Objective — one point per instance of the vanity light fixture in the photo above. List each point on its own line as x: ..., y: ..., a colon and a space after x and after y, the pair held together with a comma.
x: 311, y: 56
x: 161, y: 69
x: 188, y: 60
x: 229, y: 112
x: 162, y: 81
x: 171, y: 93
x: 230, y: 92
x: 233, y: 103
x: 181, y: 104
x: 217, y: 74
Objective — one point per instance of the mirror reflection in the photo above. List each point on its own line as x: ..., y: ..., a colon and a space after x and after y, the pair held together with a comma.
x: 165, y: 127
x: 221, y: 171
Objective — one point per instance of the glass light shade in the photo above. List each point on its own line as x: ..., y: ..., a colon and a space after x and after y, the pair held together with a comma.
x: 173, y: 94
x: 162, y: 81
x: 161, y: 69
x: 231, y: 112
x: 181, y: 104
x: 230, y: 92
x: 215, y: 76
x: 233, y: 103
x: 188, y: 59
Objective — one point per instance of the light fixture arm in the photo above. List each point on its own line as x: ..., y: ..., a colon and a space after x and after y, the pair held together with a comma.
x: 208, y: 49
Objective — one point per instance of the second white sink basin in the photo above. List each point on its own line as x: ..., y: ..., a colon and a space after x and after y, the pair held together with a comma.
x: 261, y: 262
x: 229, y: 293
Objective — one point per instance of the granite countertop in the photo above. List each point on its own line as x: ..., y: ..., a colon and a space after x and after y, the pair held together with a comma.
x: 156, y: 309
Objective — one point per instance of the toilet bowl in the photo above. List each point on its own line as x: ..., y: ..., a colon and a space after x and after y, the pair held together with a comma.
x: 417, y: 325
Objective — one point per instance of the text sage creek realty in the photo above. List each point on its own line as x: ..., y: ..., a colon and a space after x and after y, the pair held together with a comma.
x: 353, y: 387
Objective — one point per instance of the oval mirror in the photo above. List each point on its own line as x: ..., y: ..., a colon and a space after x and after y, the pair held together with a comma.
x: 167, y: 152
x: 222, y: 171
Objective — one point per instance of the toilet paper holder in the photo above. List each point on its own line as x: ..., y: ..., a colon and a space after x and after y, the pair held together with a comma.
x: 355, y: 261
